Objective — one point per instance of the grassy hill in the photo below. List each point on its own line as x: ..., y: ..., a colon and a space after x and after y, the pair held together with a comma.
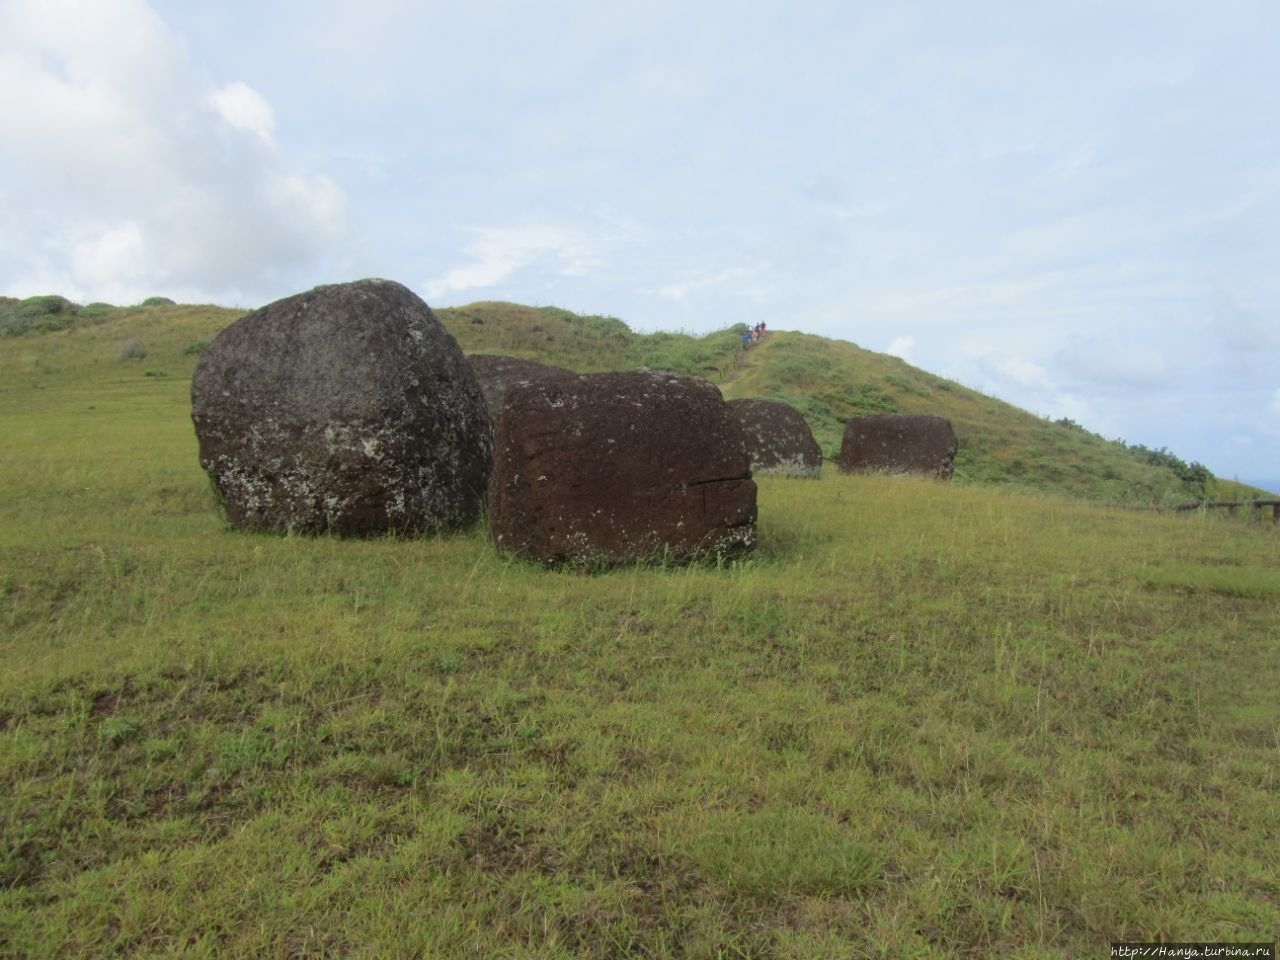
x: 830, y: 381
x: 923, y: 720
x: 827, y: 380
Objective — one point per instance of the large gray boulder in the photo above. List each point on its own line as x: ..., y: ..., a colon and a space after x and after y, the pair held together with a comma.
x: 777, y: 437
x: 922, y: 444
x: 348, y: 409
x: 608, y: 468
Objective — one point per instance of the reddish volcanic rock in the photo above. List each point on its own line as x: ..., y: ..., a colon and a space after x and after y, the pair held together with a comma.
x: 614, y: 467
x: 495, y: 373
x: 777, y: 437
x: 895, y: 443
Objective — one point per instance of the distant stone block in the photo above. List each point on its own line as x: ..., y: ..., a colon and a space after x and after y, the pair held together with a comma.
x: 922, y: 444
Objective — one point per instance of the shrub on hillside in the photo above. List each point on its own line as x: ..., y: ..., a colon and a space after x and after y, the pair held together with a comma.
x: 682, y: 352
x: 132, y: 350
x: 44, y: 305
x: 606, y: 326
x: 37, y: 315
x: 94, y: 313
x: 1194, y: 477
x: 157, y: 302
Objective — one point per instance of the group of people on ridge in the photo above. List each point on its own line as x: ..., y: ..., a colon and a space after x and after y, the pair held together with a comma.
x: 753, y: 335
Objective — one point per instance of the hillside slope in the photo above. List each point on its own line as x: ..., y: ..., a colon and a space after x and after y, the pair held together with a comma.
x: 830, y: 381
x: 49, y: 340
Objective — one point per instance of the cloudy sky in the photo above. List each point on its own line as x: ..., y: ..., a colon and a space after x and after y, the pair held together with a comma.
x: 1074, y: 206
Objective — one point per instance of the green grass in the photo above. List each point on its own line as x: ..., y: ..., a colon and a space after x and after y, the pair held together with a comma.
x: 923, y: 720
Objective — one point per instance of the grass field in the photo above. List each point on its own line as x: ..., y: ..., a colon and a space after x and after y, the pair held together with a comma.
x: 923, y: 720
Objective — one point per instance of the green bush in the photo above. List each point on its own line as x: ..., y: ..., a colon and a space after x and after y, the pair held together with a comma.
x: 37, y: 315
x: 132, y: 350
x: 1194, y: 477
x: 682, y: 352
x: 608, y: 326
x: 44, y: 306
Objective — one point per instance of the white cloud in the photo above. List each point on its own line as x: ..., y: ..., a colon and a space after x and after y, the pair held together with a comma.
x: 115, y: 255
x: 85, y: 87
x: 499, y: 252
x: 1020, y: 372
x: 1239, y: 443
x: 314, y: 199
x: 967, y: 299
x: 132, y: 173
x: 680, y: 290
x: 1119, y: 360
x: 246, y: 109
x: 901, y: 347
x: 1077, y: 408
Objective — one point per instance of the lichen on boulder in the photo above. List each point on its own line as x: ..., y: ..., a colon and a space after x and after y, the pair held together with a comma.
x: 777, y: 437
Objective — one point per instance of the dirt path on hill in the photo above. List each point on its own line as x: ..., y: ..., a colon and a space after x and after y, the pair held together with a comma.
x: 743, y: 361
